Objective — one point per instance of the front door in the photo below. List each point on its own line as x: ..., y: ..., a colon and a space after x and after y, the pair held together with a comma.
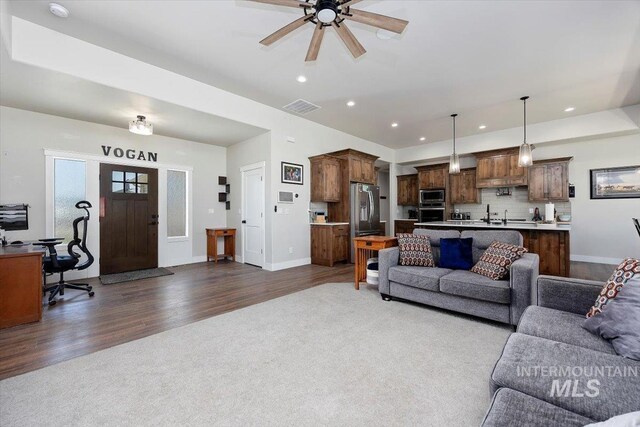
x: 128, y: 218
x: 252, y: 211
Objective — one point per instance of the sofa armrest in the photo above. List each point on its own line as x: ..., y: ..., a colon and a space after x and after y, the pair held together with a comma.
x: 387, y: 258
x: 566, y: 294
x: 522, y: 278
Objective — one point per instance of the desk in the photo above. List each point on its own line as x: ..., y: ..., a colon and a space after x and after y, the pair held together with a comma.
x: 229, y: 235
x: 20, y: 285
x: 365, y: 247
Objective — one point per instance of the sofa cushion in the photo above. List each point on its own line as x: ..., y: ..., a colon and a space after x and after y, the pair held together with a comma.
x: 456, y: 254
x: 590, y: 383
x: 434, y: 239
x: 627, y: 269
x: 512, y: 408
x: 619, y: 321
x: 560, y: 326
x: 632, y: 419
x: 418, y: 277
x: 496, y: 260
x: 472, y: 285
x: 482, y: 239
x: 415, y: 250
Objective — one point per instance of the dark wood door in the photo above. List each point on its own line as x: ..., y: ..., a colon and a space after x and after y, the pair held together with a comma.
x: 128, y: 218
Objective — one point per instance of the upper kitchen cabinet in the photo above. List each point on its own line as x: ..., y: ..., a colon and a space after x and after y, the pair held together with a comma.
x: 408, y: 190
x: 462, y: 187
x: 499, y: 168
x: 549, y: 180
x: 361, y: 165
x: 326, y: 178
x: 433, y: 176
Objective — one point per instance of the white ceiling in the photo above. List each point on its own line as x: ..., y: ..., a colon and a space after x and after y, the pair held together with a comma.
x: 473, y: 58
x: 45, y: 91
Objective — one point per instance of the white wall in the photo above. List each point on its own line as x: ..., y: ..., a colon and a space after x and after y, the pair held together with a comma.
x: 385, y: 204
x: 24, y: 136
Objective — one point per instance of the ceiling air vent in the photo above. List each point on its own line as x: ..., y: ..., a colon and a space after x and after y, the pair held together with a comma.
x: 300, y: 106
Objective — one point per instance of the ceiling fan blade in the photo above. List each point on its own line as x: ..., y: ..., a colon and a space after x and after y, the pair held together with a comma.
x: 316, y: 41
x: 381, y: 21
x: 269, y: 40
x: 350, y: 3
x: 289, y: 3
x: 349, y: 39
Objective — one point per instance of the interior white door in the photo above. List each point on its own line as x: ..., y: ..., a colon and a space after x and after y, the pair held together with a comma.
x: 252, y: 216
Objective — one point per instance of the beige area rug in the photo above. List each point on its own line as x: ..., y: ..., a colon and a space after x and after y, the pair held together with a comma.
x: 328, y: 355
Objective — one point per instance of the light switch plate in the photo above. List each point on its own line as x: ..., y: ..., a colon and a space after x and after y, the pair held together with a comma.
x: 211, y: 210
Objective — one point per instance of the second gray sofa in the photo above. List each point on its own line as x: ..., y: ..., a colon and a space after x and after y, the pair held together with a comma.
x: 461, y: 290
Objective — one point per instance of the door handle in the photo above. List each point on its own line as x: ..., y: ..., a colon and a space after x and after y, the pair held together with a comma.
x: 153, y: 223
x: 244, y: 221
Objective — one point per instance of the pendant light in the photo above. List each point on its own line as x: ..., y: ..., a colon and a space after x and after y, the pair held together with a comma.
x: 525, y: 159
x: 141, y: 126
x: 454, y: 160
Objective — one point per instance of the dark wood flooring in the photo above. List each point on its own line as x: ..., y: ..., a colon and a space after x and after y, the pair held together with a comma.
x: 123, y: 312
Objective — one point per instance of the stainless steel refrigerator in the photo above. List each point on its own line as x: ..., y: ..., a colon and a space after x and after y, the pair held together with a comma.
x: 365, y: 211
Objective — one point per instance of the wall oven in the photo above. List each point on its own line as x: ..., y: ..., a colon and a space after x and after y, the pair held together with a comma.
x: 432, y: 196
x: 431, y: 214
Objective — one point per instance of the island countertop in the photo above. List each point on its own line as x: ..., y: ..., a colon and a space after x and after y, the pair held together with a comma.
x: 515, y: 225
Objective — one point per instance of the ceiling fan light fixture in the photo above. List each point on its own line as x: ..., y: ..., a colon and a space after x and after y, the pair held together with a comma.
x: 327, y: 11
x: 454, y: 159
x: 525, y: 157
x: 141, y: 126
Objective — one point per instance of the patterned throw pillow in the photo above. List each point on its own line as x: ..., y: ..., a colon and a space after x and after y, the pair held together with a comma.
x: 415, y: 250
x: 496, y: 260
x: 625, y: 271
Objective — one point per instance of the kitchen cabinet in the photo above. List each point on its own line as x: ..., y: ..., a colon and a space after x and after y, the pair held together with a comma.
x: 433, y: 176
x: 408, y: 190
x: 326, y: 178
x: 549, y: 180
x: 403, y: 226
x: 361, y: 166
x: 463, y: 187
x: 553, y: 249
x: 499, y: 168
x: 329, y: 243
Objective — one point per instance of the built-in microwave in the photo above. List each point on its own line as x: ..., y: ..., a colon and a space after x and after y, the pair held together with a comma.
x: 428, y: 197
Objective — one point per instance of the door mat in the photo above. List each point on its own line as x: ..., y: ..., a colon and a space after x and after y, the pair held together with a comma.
x: 110, y: 279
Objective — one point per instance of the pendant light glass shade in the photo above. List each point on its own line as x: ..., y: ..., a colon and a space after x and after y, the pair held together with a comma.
x: 454, y: 160
x: 525, y: 158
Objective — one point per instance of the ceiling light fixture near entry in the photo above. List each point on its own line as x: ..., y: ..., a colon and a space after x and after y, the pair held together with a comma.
x: 141, y: 126
x: 58, y: 10
x: 301, y: 79
x: 351, y: 103
x: 394, y: 125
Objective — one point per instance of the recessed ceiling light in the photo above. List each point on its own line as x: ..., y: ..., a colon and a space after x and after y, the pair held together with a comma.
x: 482, y: 127
x: 351, y: 103
x: 394, y: 125
x: 569, y: 109
x: 422, y: 138
x: 58, y: 10
x: 301, y: 79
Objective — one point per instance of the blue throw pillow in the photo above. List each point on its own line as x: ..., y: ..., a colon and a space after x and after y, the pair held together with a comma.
x: 456, y: 254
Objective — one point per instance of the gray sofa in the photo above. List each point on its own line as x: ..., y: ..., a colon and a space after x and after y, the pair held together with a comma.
x: 461, y: 290
x: 550, y: 338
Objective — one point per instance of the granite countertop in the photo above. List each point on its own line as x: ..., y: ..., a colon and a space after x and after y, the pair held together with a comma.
x: 510, y: 225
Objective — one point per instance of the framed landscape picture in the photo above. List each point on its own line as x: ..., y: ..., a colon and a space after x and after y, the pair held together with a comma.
x: 615, y: 183
x: 291, y: 173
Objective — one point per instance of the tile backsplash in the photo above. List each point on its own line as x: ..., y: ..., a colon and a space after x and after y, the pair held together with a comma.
x: 517, y: 204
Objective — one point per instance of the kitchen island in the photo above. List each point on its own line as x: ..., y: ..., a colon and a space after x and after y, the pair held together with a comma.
x: 550, y: 243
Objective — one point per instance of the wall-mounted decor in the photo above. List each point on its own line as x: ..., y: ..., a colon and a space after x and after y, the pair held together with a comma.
x: 615, y: 183
x: 291, y: 173
x: 223, y: 196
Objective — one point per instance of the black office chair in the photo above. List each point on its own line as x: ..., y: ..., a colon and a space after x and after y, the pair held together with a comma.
x: 637, y: 224
x: 55, y: 263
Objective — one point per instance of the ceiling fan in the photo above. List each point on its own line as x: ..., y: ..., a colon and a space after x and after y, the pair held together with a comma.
x: 331, y: 13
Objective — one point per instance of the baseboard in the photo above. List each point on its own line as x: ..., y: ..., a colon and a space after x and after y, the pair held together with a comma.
x: 287, y: 264
x: 596, y: 259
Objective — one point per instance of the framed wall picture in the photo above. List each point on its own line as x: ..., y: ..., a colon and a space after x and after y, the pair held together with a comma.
x: 292, y: 173
x: 615, y: 183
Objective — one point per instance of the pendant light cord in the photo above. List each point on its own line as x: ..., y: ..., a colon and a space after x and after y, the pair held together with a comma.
x: 524, y: 100
x: 454, y: 132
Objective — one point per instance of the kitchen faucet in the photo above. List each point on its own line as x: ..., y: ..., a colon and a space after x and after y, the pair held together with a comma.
x: 505, y: 217
x: 489, y: 214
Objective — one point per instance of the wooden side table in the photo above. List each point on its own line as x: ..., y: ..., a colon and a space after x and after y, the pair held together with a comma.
x: 365, y: 247
x: 229, y: 235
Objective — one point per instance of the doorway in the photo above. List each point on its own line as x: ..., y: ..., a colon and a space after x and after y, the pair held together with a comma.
x: 253, y: 214
x: 128, y: 218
